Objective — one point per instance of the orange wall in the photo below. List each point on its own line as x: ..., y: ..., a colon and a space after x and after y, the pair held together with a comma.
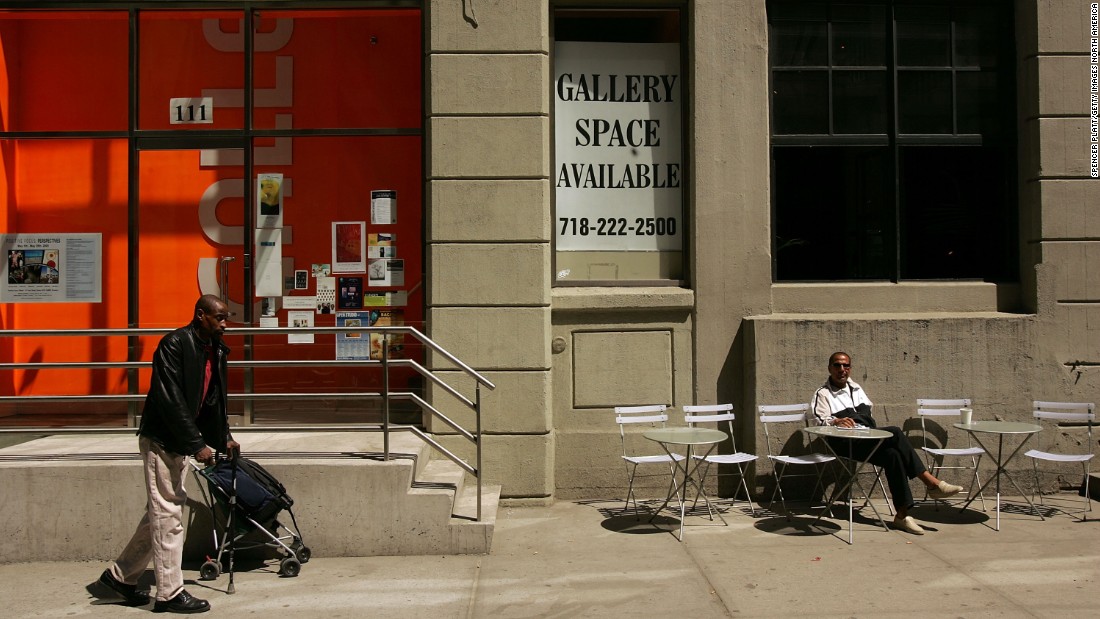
x: 353, y: 69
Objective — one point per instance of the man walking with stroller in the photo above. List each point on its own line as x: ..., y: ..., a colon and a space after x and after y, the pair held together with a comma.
x: 184, y: 416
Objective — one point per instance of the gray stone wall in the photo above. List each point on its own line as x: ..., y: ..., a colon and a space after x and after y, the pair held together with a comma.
x: 564, y: 357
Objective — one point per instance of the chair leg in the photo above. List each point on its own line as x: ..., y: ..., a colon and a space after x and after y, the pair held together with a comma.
x: 978, y: 484
x: 748, y: 497
x: 630, y: 490
x: 778, y: 474
x: 699, y: 491
x: 1038, y: 490
x: 1086, y: 506
x: 742, y: 484
x: 930, y: 464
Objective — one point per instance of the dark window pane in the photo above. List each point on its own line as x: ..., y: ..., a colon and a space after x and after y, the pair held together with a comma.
x: 924, y: 44
x: 833, y: 213
x: 800, y: 102
x: 859, y: 102
x: 976, y: 34
x: 956, y: 220
x: 799, y: 43
x: 797, y: 11
x: 859, y: 36
x: 924, y: 102
x: 979, y: 108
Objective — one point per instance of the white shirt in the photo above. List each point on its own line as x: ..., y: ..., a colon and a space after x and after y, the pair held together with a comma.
x: 828, y: 401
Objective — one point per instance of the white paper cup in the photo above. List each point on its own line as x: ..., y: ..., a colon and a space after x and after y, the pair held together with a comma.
x: 966, y: 415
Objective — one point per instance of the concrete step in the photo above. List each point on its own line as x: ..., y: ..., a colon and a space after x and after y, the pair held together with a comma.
x: 349, y: 500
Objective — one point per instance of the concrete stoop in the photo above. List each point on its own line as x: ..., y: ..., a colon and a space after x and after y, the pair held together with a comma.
x: 79, y: 498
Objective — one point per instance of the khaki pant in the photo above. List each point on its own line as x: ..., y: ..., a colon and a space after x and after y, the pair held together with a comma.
x: 159, y: 535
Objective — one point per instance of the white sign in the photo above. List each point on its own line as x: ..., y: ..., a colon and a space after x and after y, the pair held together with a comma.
x: 52, y: 268
x: 191, y: 111
x: 269, y: 263
x: 618, y: 175
x: 383, y: 207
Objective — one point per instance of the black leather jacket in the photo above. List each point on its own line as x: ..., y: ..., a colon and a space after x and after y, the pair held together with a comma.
x: 175, y: 395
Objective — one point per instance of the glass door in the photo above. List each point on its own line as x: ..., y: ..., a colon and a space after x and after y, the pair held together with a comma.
x: 190, y: 240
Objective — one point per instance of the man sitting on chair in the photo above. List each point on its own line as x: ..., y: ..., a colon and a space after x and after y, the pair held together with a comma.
x: 842, y: 403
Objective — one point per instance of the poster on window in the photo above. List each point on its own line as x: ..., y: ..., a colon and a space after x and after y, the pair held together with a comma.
x: 269, y: 201
x: 618, y: 174
x: 383, y: 207
x: 52, y: 268
x: 348, y: 255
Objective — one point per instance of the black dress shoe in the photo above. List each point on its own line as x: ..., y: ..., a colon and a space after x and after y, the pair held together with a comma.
x: 128, y: 593
x: 183, y: 603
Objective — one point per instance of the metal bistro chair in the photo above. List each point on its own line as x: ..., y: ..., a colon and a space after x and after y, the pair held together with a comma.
x: 721, y: 415
x: 936, y: 452
x: 655, y: 416
x: 783, y: 423
x: 1057, y: 418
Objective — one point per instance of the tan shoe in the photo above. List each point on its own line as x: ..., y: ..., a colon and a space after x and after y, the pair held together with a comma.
x: 944, y: 490
x: 908, y: 525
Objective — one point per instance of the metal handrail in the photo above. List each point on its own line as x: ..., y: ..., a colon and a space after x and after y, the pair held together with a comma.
x: 385, y: 395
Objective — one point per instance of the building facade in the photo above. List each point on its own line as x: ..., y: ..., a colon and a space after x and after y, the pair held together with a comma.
x: 610, y: 203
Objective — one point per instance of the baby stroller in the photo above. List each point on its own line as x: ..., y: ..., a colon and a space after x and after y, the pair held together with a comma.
x: 244, y: 501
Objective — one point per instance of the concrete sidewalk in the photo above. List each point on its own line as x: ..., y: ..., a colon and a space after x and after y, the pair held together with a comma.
x: 586, y: 559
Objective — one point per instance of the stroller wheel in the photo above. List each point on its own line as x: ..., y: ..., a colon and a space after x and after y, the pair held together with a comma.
x: 290, y: 567
x: 303, y: 553
x: 210, y: 570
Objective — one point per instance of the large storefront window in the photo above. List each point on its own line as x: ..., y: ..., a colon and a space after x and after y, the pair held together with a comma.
x: 619, y: 172
x: 893, y: 142
x: 282, y: 170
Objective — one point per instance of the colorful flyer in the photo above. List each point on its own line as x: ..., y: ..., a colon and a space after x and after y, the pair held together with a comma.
x: 352, y: 346
x: 269, y: 200
x: 51, y: 268
x: 350, y: 291
x: 381, y: 245
x: 396, y: 342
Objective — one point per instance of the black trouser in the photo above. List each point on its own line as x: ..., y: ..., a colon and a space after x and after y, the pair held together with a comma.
x: 896, y: 456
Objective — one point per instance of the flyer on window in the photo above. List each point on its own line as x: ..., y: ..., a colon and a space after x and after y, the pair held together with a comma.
x: 396, y: 341
x: 347, y: 247
x: 350, y: 291
x: 299, y: 320
x: 326, y: 295
x: 352, y: 345
x: 269, y: 263
x: 383, y: 207
x: 386, y: 272
x: 381, y: 245
x: 52, y: 268
x: 269, y: 200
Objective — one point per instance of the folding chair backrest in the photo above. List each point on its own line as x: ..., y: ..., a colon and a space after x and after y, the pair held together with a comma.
x: 719, y: 414
x: 792, y: 417
x: 949, y: 407
x: 708, y: 413
x: 652, y: 414
x: 1056, y: 413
